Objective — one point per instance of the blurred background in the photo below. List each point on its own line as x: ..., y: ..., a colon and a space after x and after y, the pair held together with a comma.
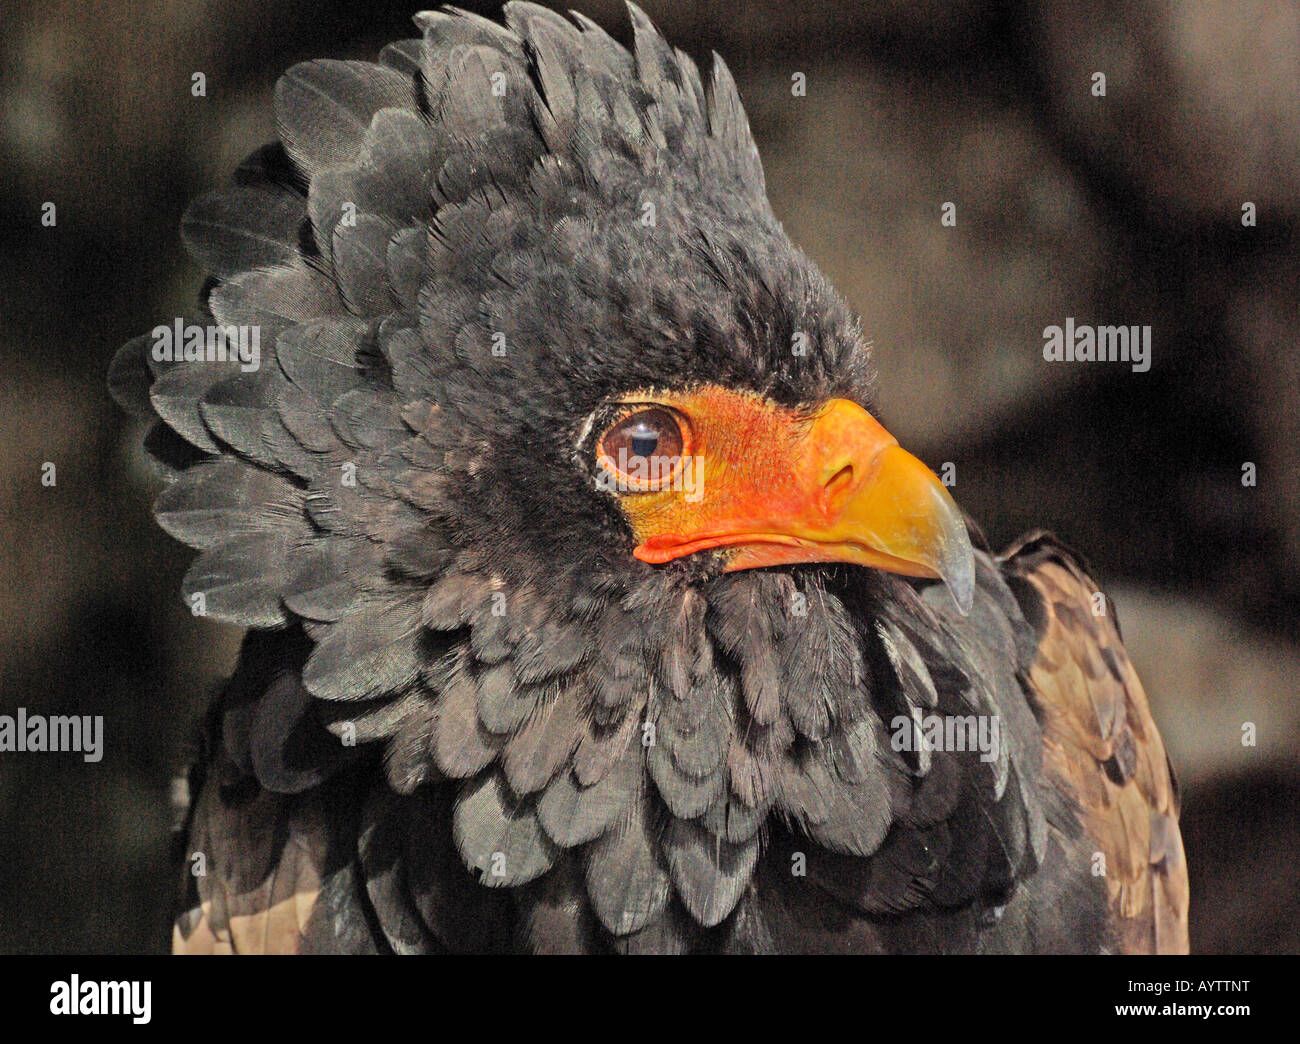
x: 1123, y: 209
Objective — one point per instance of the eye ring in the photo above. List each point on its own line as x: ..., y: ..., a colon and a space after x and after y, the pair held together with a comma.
x: 644, y: 449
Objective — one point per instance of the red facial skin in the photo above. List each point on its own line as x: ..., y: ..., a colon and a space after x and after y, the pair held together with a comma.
x: 776, y: 487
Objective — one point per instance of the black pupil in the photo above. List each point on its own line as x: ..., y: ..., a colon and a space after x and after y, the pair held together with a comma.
x: 644, y: 440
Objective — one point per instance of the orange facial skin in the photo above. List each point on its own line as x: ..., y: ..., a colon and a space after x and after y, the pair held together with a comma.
x: 777, y: 487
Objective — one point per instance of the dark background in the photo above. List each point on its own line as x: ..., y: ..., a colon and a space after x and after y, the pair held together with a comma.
x: 1117, y: 210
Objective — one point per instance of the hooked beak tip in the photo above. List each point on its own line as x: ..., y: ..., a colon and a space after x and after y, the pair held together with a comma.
x: 958, y: 575
x: 955, y: 559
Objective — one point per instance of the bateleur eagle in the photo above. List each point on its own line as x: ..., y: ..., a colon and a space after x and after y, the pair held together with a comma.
x: 589, y: 606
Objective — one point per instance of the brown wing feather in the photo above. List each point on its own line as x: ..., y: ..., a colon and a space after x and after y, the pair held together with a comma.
x: 1101, y: 740
x: 263, y: 858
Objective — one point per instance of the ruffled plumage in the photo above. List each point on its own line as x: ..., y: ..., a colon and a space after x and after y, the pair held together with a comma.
x: 446, y: 259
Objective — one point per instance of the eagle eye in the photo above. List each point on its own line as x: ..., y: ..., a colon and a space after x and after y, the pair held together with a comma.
x: 643, y: 450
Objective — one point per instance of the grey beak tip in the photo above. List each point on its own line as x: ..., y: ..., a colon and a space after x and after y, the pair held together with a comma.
x: 963, y: 596
x: 960, y: 578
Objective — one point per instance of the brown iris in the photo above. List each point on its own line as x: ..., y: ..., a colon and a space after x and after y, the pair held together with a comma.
x: 644, y: 449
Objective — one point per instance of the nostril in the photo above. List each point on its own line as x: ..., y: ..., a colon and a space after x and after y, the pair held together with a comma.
x: 836, y: 489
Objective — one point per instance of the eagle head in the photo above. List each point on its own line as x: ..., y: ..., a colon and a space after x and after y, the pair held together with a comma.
x: 563, y: 460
